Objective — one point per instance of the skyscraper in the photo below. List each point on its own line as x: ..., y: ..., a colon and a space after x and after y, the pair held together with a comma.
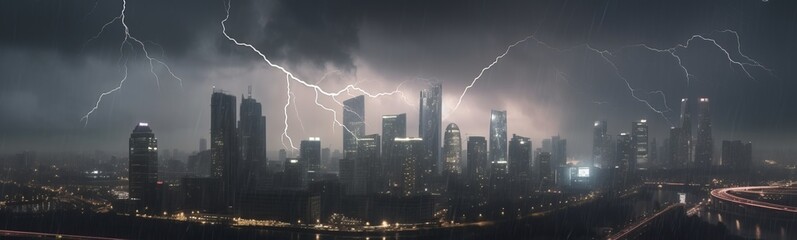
x: 558, y: 152
x: 600, y: 144
x: 453, y: 149
x: 310, y: 154
x: 478, y: 165
x: 410, y: 152
x: 143, y: 168
x: 704, y: 145
x: 430, y: 124
x: 519, y: 158
x: 348, y: 175
x: 678, y: 157
x: 353, y: 124
x: 625, y: 154
x: 203, y: 144
x: 737, y: 155
x: 282, y: 155
x: 653, y: 153
x: 369, y: 164
x: 325, y: 158
x: 295, y: 173
x: 498, y: 143
x: 252, y: 129
x: 225, y: 152
x: 546, y: 176
x: 546, y: 145
x: 639, y: 138
x: 681, y: 138
x: 393, y: 126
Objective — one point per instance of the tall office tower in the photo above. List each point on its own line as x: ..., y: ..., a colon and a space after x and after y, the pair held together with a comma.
x: 639, y: 138
x: 678, y: 152
x: 410, y: 152
x: 625, y: 153
x: 252, y: 130
x: 310, y: 154
x: 682, y: 146
x: 665, y: 156
x: 143, y: 170
x: 430, y: 126
x: 653, y: 153
x: 353, y: 124
x: 335, y: 156
x: 519, y: 158
x: 452, y: 149
x: 225, y: 152
x: 203, y: 144
x: 325, y: 158
x: 546, y: 176
x: 369, y: 164
x: 430, y: 130
x: 430, y: 121
x: 282, y: 155
x: 347, y: 172
x: 498, y: 141
x: 546, y: 145
x: 393, y: 126
x: 737, y: 155
x: 600, y: 144
x: 704, y: 145
x: 295, y: 173
x: 558, y: 152
x: 478, y: 165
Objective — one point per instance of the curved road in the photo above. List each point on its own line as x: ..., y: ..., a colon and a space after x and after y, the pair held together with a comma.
x: 726, y: 194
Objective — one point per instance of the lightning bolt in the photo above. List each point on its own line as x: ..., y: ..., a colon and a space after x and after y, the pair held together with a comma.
x: 285, y: 110
x: 327, y: 74
x: 747, y: 62
x: 296, y: 110
x: 663, y: 97
x: 97, y: 105
x: 473, y: 82
x: 752, y: 62
x: 744, y: 64
x: 127, y: 41
x: 292, y: 77
x: 604, y: 54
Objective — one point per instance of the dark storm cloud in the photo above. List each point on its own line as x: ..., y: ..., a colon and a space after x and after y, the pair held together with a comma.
x: 49, y: 76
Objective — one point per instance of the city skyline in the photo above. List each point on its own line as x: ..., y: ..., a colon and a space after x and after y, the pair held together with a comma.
x: 602, y: 95
x: 416, y: 119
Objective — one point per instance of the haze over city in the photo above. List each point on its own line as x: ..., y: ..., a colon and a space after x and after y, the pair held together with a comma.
x: 53, y: 74
x: 612, y: 119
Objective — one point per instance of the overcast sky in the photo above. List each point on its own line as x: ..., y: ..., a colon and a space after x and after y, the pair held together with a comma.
x: 51, y: 75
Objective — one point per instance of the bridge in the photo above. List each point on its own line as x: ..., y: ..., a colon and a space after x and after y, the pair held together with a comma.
x: 639, y: 227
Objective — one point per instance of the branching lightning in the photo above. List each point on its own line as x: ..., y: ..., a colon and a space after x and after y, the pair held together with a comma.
x: 745, y: 63
x: 606, y: 55
x: 127, y: 41
x: 291, y: 77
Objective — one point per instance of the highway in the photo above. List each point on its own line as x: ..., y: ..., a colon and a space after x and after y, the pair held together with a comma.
x: 726, y: 194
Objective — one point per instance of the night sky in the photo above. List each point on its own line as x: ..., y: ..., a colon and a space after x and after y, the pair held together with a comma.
x: 51, y: 75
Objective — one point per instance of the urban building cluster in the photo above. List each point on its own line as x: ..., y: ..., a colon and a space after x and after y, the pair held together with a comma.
x: 395, y: 177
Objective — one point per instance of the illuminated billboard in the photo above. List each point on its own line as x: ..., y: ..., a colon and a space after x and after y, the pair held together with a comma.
x: 583, y: 172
